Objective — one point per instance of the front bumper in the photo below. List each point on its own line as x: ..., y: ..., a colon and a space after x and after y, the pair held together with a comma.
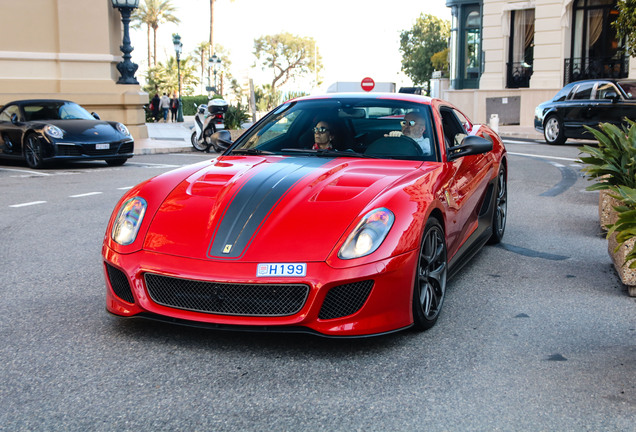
x: 330, y: 293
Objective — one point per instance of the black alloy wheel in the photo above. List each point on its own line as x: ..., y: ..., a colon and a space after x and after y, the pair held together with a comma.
x: 500, y: 213
x: 430, y: 278
x: 553, y: 130
x: 33, y: 151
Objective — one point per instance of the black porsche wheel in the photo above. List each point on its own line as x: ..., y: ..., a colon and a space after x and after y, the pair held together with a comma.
x: 33, y: 151
x: 195, y: 143
x: 500, y: 213
x: 430, y: 279
x: 553, y: 130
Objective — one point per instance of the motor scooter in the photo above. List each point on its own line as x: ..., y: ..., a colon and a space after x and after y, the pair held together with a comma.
x: 207, y: 120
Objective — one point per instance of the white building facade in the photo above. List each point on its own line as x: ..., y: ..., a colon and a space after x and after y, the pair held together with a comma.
x: 509, y: 56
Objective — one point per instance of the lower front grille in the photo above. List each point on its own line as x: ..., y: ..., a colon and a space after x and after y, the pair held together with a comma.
x: 119, y: 283
x: 226, y: 299
x: 344, y: 300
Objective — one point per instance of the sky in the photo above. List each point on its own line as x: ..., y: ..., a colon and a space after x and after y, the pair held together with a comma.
x: 356, y: 38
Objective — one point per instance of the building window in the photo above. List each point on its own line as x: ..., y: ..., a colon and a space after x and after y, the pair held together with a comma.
x: 596, y: 52
x: 466, y: 52
x: 521, y: 49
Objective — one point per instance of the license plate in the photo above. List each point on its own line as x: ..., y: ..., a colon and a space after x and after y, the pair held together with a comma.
x: 281, y: 269
x: 102, y: 146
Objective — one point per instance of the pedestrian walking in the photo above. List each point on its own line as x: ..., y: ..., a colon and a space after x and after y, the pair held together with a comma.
x: 174, y: 107
x: 165, y: 106
x: 154, y: 107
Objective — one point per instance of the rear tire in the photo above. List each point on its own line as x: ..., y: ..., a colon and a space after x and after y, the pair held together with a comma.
x: 553, y: 130
x: 429, y: 287
x: 500, y: 213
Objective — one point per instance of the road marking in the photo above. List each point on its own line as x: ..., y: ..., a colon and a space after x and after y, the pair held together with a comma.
x: 543, y: 156
x: 25, y: 171
x: 125, y: 188
x: 85, y: 194
x: 27, y: 204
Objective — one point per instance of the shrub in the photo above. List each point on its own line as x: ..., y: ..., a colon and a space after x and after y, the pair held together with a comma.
x: 236, y: 116
x: 613, y: 162
x: 625, y: 226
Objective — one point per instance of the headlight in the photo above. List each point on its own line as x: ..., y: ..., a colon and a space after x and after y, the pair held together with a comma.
x: 53, y: 131
x: 128, y: 221
x: 123, y: 129
x: 368, y: 235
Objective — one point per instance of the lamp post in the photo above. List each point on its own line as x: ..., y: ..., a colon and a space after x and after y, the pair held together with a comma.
x: 178, y: 46
x: 214, y: 62
x: 126, y: 68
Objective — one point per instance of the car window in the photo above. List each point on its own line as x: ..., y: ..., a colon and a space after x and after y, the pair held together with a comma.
x: 583, y: 91
x: 353, y: 127
x: 6, y: 114
x: 55, y: 110
x: 629, y: 88
x: 454, y: 131
x: 604, y: 88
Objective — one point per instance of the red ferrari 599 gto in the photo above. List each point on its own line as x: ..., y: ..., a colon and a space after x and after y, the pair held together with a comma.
x: 339, y: 215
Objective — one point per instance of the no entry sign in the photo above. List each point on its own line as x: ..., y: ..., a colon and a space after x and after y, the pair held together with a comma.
x: 367, y: 84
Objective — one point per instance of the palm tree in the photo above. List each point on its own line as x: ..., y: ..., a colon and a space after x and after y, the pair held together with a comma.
x: 201, y: 52
x: 152, y: 13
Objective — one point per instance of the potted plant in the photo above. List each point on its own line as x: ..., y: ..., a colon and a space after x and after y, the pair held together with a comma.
x: 613, y: 167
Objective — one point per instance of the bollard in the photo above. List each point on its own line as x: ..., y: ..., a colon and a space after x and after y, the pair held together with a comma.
x: 494, y: 122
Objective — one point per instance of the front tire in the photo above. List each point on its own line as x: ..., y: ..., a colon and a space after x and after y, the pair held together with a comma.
x: 553, y: 130
x: 33, y: 151
x: 500, y: 213
x: 195, y: 143
x: 429, y: 288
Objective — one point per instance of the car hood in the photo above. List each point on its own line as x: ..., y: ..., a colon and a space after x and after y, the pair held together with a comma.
x: 87, y: 131
x: 275, y: 209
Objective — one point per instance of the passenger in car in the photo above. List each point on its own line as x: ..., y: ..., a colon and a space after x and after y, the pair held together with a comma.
x: 414, y: 126
x: 323, y: 136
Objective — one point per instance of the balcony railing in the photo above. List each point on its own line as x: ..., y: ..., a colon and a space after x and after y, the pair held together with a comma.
x: 518, y: 75
x: 596, y: 67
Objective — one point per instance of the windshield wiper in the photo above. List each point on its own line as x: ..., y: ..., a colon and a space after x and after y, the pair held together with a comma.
x: 251, y: 151
x: 330, y: 153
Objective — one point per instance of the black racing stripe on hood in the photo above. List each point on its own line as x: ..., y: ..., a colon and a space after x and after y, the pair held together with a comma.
x: 253, y: 203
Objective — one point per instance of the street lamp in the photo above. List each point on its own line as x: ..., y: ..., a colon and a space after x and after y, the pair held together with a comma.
x: 214, y: 62
x: 126, y: 68
x: 178, y: 46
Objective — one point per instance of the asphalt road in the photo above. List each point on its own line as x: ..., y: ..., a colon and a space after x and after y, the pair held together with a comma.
x: 536, y: 334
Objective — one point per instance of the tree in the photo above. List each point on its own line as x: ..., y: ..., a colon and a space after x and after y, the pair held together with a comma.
x: 164, y: 77
x: 287, y: 55
x: 625, y: 25
x: 152, y: 13
x: 427, y: 37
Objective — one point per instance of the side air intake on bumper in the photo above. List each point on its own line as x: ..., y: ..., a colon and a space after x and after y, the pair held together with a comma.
x: 344, y: 300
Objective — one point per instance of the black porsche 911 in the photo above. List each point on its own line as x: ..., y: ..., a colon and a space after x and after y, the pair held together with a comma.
x: 44, y: 130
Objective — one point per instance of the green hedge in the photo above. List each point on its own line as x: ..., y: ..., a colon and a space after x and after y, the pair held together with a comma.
x: 189, y: 108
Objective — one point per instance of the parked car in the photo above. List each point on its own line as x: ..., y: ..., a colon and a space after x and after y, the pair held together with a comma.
x: 44, y: 130
x: 585, y: 103
x: 281, y: 234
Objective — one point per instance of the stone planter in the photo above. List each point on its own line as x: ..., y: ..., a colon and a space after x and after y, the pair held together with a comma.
x: 608, y: 216
x: 606, y: 213
x: 627, y: 275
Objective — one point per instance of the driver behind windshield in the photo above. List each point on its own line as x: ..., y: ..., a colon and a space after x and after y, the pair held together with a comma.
x: 323, y: 136
x: 414, y: 126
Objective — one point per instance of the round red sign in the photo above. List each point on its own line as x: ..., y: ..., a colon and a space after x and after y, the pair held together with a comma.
x: 367, y: 84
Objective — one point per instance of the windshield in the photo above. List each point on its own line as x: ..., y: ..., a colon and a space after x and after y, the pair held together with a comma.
x: 54, y: 110
x: 374, y: 128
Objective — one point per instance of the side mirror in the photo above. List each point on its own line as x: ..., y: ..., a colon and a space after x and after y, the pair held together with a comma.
x: 94, y: 114
x: 221, y: 139
x: 471, y: 145
x: 14, y: 119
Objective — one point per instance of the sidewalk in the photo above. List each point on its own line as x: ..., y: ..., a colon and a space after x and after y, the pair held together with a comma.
x: 175, y: 137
